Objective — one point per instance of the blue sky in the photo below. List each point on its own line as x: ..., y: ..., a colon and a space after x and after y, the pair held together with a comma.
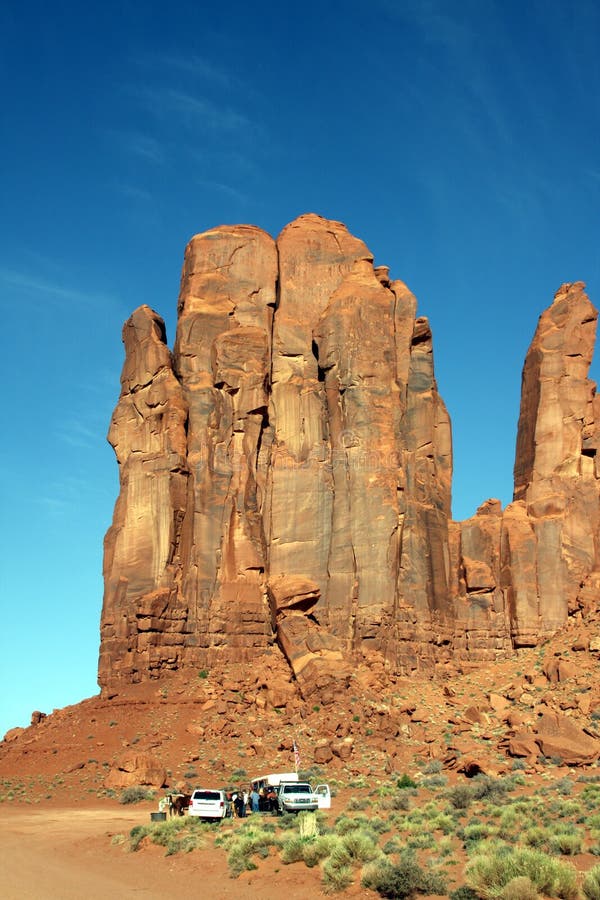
x: 460, y: 140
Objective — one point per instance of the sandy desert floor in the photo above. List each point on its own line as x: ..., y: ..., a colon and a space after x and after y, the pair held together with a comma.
x: 69, y: 854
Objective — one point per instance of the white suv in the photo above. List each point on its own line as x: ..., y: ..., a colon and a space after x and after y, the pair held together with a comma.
x: 209, y: 804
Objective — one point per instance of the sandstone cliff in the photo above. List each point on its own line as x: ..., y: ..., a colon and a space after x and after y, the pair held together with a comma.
x: 286, y: 475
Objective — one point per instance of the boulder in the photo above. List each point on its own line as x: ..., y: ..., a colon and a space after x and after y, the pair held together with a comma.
x: 136, y: 769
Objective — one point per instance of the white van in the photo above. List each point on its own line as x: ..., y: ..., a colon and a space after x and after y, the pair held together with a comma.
x: 209, y: 804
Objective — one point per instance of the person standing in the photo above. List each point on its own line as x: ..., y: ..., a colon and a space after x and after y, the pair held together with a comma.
x: 240, y: 806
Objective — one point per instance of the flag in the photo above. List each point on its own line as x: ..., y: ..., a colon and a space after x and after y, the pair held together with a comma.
x: 296, y: 756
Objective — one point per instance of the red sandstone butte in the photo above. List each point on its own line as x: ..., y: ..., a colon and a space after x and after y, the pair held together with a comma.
x: 286, y: 475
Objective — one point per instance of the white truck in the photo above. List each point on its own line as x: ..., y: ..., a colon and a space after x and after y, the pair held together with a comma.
x: 295, y: 797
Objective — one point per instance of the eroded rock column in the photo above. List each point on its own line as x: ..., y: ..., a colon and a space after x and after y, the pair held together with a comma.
x: 144, y: 615
x: 222, y: 354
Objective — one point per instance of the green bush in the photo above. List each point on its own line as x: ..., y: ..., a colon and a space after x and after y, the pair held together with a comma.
x: 405, y: 781
x: 567, y: 843
x: 344, y: 824
x: 536, y: 836
x: 135, y: 794
x: 355, y: 803
x: 405, y: 878
x: 244, y: 844
x: 486, y: 788
x: 137, y: 835
x: 461, y: 796
x: 361, y: 846
x: 435, y: 781
x: 336, y: 878
x: 519, y: 888
x: 316, y: 850
x: 239, y: 860
x: 591, y: 884
x: 488, y: 873
x: 292, y: 850
x: 464, y: 893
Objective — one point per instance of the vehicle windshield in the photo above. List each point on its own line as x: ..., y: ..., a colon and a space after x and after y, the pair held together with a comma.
x: 206, y: 795
x: 298, y: 789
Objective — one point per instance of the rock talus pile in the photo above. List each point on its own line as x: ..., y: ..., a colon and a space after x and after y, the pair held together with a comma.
x: 285, y: 475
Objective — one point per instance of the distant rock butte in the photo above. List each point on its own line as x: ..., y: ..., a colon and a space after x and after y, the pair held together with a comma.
x: 285, y: 475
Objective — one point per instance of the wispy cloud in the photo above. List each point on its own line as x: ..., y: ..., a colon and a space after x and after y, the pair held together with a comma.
x: 196, y: 67
x: 68, y: 493
x: 38, y: 286
x: 191, y: 110
x: 144, y: 146
x: 225, y: 189
x: 77, y: 434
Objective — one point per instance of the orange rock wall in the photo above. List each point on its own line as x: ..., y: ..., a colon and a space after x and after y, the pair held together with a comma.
x: 286, y: 474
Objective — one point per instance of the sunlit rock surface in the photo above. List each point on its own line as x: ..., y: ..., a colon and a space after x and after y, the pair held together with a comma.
x: 286, y: 475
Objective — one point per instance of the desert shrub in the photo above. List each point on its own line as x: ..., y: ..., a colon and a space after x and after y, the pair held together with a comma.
x: 336, y: 878
x: 591, y: 884
x: 292, y: 850
x: 137, y: 835
x: 421, y: 840
x: 135, y: 794
x: 178, y: 835
x: 318, y: 849
x: 444, y: 847
x: 564, y: 786
x: 488, y: 873
x: 460, y: 796
x: 435, y: 781
x: 404, y: 878
x: 380, y: 826
x: 399, y: 799
x: 443, y: 822
x: 339, y: 855
x: 567, y: 843
x: 433, y: 767
x: 486, y: 788
x: 475, y: 832
x: 536, y: 836
x: 360, y: 846
x: 391, y: 846
x: 239, y: 860
x: 512, y: 822
x: 287, y: 821
x: 405, y: 781
x: 344, y: 824
x: 519, y: 888
x: 355, y: 803
x: 242, y: 846
x: 463, y: 893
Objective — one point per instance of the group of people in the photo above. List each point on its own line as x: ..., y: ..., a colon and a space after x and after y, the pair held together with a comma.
x: 262, y: 800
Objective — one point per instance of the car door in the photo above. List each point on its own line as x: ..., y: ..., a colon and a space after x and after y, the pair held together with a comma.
x: 323, y: 795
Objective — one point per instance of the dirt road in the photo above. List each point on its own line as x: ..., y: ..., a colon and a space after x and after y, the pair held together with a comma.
x: 69, y: 854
